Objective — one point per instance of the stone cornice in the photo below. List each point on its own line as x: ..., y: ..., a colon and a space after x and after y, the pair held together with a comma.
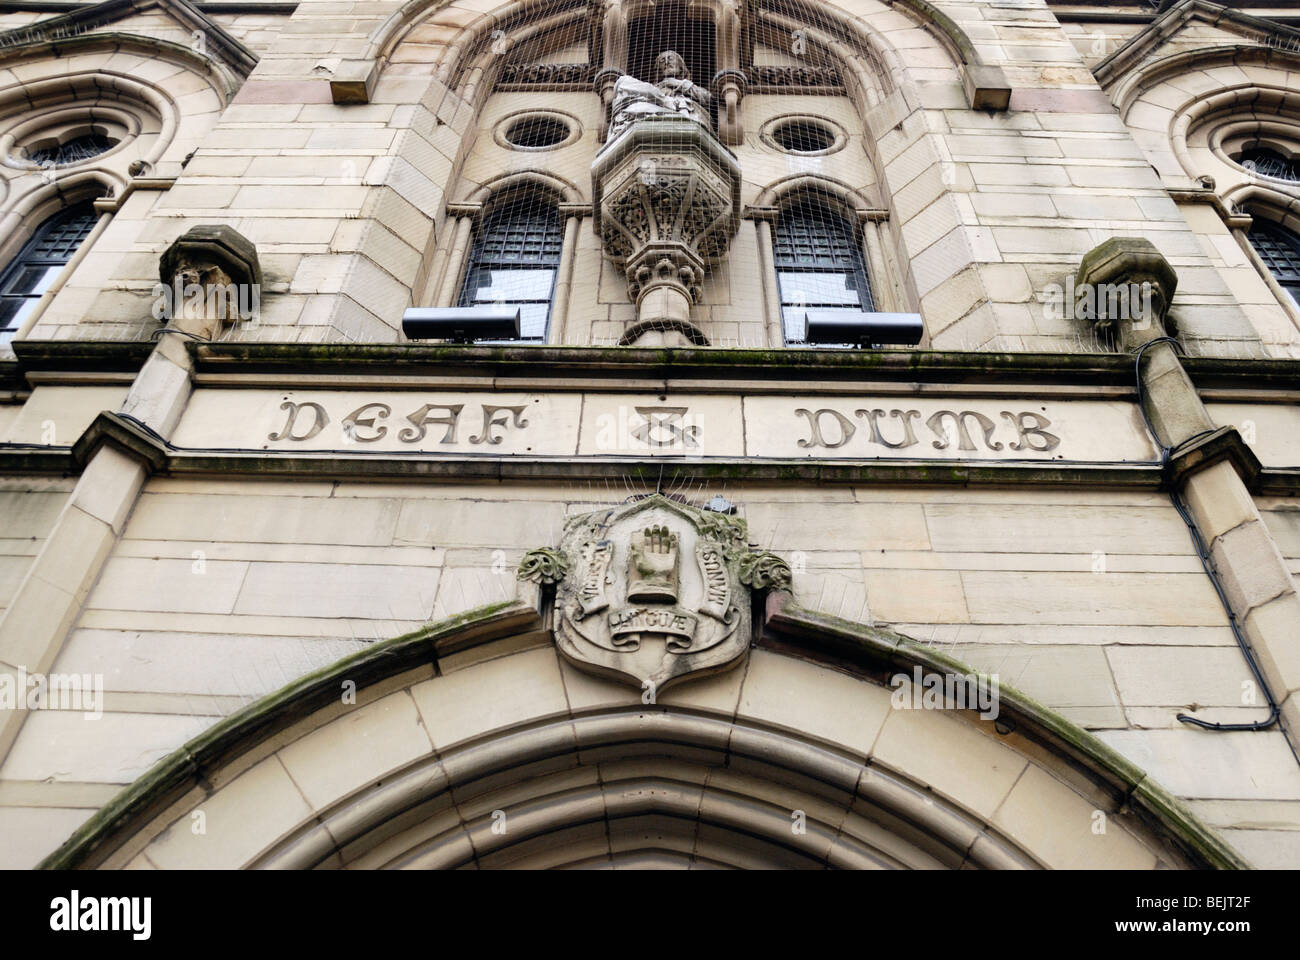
x: 642, y: 365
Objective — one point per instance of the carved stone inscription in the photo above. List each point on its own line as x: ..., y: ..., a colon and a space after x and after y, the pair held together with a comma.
x: 970, y: 430
x: 306, y: 420
x: 369, y: 422
x: 678, y: 425
x: 946, y: 428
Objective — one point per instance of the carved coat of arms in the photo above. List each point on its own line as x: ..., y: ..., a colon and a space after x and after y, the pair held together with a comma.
x: 655, y: 591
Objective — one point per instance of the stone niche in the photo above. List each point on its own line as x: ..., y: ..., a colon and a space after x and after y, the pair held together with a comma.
x: 666, y: 196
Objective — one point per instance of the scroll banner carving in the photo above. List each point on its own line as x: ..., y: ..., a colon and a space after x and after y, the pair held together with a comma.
x: 568, y: 424
x: 656, y: 591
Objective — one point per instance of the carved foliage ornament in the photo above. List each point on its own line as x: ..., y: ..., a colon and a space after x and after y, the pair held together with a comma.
x: 654, y: 592
x: 541, y: 74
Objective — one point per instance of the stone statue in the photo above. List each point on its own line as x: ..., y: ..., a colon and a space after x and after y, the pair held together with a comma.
x: 673, y: 94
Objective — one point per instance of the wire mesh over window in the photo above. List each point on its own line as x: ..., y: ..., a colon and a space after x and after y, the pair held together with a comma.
x: 1280, y: 250
x: 514, y: 263
x: 818, y: 266
x: 669, y: 26
x: 30, y: 274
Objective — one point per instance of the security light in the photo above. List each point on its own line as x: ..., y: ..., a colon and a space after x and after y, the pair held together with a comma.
x: 461, y: 324
x: 842, y: 326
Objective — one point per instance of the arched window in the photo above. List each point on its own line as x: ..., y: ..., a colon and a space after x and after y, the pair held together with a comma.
x: 72, y: 151
x: 819, y: 265
x: 31, y: 272
x: 1279, y: 248
x: 515, y: 260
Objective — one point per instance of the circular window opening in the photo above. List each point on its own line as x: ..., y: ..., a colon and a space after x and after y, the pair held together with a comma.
x: 71, y: 151
x: 536, y: 133
x: 1269, y: 163
x: 804, y: 136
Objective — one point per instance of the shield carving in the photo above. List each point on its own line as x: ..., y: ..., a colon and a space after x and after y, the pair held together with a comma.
x: 655, y: 591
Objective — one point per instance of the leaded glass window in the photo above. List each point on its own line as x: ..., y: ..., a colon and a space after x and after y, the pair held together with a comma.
x: 514, y: 263
x: 818, y: 266
x: 30, y: 274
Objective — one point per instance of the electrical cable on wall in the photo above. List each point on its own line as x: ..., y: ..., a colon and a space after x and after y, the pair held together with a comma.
x: 1207, y: 563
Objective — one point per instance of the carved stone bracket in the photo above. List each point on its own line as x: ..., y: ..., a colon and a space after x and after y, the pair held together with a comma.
x: 221, y: 266
x: 764, y: 571
x: 1225, y: 443
x: 353, y: 81
x: 1128, y: 276
x: 655, y: 591
x: 666, y: 201
x: 543, y: 566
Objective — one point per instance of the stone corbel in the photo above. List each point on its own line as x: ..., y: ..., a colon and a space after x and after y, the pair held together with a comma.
x: 666, y: 203
x: 466, y: 208
x: 1134, y: 261
x: 209, y: 257
x: 353, y: 81
x: 728, y: 89
x: 987, y: 87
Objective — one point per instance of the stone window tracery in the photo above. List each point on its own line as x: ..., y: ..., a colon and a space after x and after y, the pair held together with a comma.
x: 72, y: 151
x: 1270, y: 163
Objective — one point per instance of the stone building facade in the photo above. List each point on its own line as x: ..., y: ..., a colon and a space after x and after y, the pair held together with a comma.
x: 671, y: 578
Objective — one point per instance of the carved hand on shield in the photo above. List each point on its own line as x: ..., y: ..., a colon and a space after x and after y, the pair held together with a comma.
x: 652, y: 570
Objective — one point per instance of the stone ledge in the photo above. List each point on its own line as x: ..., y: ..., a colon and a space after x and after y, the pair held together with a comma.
x: 566, y: 362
